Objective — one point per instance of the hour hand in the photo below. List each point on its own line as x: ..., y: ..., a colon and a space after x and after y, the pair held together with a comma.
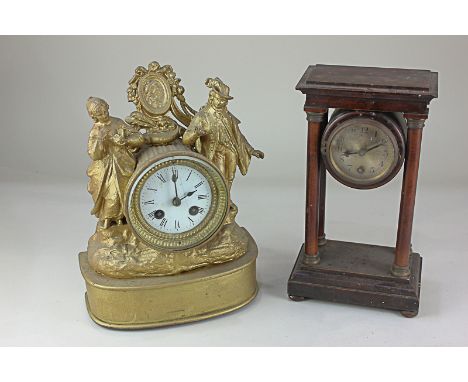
x: 188, y: 194
x: 348, y: 153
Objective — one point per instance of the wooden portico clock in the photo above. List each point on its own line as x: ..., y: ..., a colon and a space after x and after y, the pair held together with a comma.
x: 376, y: 127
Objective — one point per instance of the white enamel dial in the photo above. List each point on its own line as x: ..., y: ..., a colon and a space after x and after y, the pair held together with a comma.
x: 175, y: 199
x: 177, y: 202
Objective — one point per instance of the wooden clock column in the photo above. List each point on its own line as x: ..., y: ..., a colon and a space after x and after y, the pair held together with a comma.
x: 315, y: 186
x: 415, y: 124
x: 360, y: 273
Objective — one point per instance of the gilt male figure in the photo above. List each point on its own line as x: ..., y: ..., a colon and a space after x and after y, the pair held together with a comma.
x: 215, y: 133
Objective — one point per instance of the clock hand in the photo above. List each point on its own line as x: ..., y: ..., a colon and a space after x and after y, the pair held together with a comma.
x: 348, y: 153
x: 175, y: 176
x: 373, y: 147
x: 361, y: 152
x: 188, y: 194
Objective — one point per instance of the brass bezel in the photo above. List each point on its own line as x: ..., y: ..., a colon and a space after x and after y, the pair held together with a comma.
x: 207, y: 228
x: 393, y: 130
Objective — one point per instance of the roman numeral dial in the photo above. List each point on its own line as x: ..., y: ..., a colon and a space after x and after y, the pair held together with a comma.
x: 176, y: 201
x: 172, y: 213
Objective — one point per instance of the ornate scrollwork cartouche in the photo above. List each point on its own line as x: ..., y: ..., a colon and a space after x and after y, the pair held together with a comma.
x: 155, y: 91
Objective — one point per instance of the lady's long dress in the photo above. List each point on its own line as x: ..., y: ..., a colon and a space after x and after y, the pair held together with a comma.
x: 110, y: 171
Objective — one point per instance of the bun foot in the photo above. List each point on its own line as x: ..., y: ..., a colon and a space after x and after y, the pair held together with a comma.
x: 409, y: 314
x: 296, y: 298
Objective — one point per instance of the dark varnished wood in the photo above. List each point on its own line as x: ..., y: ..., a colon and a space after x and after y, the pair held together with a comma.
x: 322, y: 194
x: 408, y: 197
x: 349, y: 103
x: 366, y: 88
x: 351, y: 272
x: 369, y: 80
x: 315, y: 122
x: 322, y: 191
x: 358, y: 274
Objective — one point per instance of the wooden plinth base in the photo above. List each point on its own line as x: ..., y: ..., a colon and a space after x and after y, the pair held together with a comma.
x: 359, y: 274
x: 159, y: 301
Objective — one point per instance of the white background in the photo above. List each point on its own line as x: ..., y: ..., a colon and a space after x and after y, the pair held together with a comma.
x: 45, y: 205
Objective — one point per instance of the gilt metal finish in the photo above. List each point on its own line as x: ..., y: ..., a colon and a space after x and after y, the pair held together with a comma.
x: 141, y: 271
x: 112, y: 144
x: 210, y: 225
x: 155, y: 91
x: 160, y: 301
x: 126, y: 246
x: 214, y: 132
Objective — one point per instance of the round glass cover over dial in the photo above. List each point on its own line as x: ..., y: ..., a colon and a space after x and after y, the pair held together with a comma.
x: 178, y: 202
x: 362, y: 153
x: 175, y: 207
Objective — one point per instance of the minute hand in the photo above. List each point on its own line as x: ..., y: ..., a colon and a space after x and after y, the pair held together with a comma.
x: 175, y: 176
x: 373, y: 147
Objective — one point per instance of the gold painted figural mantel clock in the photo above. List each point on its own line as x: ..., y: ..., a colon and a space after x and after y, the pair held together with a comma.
x: 375, y: 128
x: 166, y: 249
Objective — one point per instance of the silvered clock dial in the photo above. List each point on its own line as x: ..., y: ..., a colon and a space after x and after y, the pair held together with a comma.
x: 363, y: 149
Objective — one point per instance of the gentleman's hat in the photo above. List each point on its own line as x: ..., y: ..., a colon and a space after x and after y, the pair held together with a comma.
x: 219, y: 87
